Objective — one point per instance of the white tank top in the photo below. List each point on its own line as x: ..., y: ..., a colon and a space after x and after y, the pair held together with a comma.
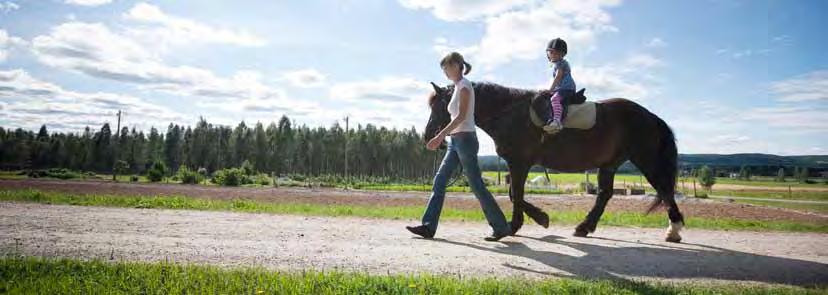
x: 467, y: 125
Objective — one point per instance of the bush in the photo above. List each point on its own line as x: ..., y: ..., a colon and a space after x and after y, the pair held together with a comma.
x: 261, y: 179
x: 157, y: 171
x: 59, y: 173
x: 188, y: 176
x: 229, y: 177
x: 121, y: 167
x: 706, y: 177
x: 247, y: 168
x: 133, y: 178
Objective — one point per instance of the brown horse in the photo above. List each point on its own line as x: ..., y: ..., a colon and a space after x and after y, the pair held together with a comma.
x: 623, y: 131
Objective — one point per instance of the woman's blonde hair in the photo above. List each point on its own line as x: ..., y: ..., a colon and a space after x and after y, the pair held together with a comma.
x: 456, y: 58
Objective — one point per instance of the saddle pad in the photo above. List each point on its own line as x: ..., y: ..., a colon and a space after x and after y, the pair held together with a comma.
x: 578, y: 116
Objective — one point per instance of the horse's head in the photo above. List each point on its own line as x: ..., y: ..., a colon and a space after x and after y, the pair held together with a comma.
x: 439, y: 118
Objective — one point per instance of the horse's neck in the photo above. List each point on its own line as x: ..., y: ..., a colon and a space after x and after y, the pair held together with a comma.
x: 499, y: 110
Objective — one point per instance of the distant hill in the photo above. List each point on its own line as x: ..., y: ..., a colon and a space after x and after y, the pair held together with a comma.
x: 764, y: 163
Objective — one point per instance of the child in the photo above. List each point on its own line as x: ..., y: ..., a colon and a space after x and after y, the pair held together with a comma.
x: 562, y: 85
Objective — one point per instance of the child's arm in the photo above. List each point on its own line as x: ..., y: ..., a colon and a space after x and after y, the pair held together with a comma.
x: 558, y: 77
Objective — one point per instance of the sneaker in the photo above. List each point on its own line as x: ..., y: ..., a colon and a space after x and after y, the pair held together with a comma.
x: 421, y: 230
x: 553, y: 127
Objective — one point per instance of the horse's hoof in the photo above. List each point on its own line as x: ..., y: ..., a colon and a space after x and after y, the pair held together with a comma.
x: 673, y: 239
x: 544, y: 221
x: 580, y: 233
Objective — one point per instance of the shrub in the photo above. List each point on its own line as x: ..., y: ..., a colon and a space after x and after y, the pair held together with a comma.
x: 133, y: 178
x: 229, y: 177
x: 121, y: 167
x: 157, y: 171
x: 247, y: 168
x: 59, y: 173
x: 188, y: 176
x: 706, y: 177
x: 261, y: 179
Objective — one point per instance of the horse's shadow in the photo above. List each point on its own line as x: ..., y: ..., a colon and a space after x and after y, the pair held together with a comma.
x: 663, y: 261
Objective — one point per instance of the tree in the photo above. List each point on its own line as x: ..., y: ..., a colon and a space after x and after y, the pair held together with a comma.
x: 121, y: 167
x: 706, y: 177
x: 803, y: 175
x: 744, y: 173
x: 780, y: 175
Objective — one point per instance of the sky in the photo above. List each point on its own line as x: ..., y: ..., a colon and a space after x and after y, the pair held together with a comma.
x: 728, y: 76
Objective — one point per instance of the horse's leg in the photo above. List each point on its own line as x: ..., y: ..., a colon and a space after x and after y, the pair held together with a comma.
x: 540, y: 217
x: 605, y: 180
x: 518, y: 173
x: 665, y: 189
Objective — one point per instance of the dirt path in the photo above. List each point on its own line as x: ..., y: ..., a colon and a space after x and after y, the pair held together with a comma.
x: 329, y: 196
x: 383, y: 246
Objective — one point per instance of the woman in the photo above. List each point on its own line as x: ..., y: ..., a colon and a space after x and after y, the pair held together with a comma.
x: 462, y: 149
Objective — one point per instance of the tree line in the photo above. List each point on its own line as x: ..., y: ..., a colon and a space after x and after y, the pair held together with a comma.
x: 279, y: 148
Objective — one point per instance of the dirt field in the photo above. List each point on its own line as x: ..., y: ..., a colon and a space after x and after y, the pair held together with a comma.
x: 690, y: 207
x: 382, y: 246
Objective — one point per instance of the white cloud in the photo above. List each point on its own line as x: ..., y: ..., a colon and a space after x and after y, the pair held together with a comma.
x: 390, y: 101
x: 811, y: 86
x: 7, y: 43
x: 161, y: 29
x: 522, y: 31
x: 462, y: 10
x: 88, y: 2
x: 30, y: 102
x: 644, y: 60
x: 8, y: 6
x: 94, y: 50
x: 625, y: 79
x: 793, y: 119
x: 305, y: 78
x: 656, y: 43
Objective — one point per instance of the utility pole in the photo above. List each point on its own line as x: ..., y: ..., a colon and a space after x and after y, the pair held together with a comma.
x: 117, y: 148
x: 347, y: 179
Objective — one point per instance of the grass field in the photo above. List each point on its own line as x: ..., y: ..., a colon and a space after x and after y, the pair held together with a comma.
x: 26, y: 275
x: 574, y: 178
x: 390, y: 212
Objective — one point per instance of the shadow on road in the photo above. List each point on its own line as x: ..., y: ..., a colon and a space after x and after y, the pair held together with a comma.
x: 662, y: 261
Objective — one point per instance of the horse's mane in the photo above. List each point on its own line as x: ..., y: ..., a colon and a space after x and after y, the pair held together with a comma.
x: 494, y: 91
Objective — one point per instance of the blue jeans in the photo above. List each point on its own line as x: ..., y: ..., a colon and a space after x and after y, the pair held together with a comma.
x: 462, y: 149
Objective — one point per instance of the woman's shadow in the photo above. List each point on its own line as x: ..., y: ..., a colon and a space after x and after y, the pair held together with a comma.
x: 663, y: 261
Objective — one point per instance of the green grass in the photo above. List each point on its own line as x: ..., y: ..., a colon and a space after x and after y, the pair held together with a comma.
x: 389, y: 212
x: 795, y: 195
x: 817, y: 208
x: 427, y: 188
x: 26, y: 275
x: 574, y: 178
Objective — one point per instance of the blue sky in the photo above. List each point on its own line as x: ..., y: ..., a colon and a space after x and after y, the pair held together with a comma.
x: 728, y: 76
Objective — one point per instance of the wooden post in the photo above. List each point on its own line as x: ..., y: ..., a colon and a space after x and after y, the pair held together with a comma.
x: 694, y: 188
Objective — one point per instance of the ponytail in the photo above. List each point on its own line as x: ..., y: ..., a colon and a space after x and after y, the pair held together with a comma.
x: 467, y: 66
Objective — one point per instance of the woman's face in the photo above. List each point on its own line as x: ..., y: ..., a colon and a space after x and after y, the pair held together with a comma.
x: 452, y: 71
x: 553, y: 55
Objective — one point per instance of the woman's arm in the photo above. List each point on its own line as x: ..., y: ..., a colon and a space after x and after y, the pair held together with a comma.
x: 465, y: 98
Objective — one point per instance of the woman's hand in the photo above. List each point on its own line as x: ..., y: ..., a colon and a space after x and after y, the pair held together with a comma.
x: 435, y: 142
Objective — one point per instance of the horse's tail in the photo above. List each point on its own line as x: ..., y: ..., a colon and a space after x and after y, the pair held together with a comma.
x: 666, y: 165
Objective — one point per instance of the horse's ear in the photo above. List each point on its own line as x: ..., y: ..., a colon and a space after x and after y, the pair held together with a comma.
x: 436, y: 88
